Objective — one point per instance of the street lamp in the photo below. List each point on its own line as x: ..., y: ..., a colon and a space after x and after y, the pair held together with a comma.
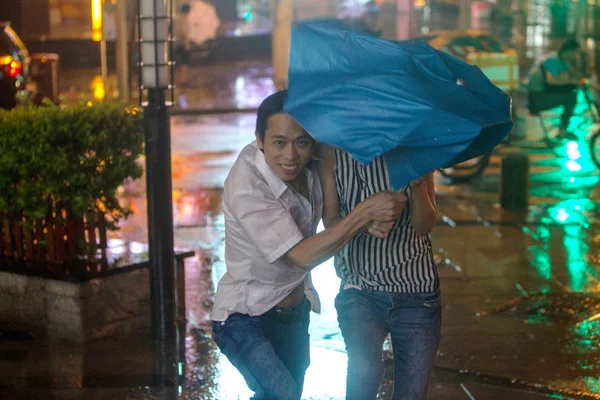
x: 155, y: 80
x: 98, y: 36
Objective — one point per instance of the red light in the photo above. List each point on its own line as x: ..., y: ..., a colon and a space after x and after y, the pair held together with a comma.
x: 10, y: 66
x: 14, y: 69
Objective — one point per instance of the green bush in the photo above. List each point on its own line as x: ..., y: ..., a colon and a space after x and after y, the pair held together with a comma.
x: 73, y: 159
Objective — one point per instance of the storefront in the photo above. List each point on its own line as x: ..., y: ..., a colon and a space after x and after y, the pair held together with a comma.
x: 64, y: 19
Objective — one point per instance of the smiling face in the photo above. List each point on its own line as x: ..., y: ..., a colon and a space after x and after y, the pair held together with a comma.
x: 287, y: 146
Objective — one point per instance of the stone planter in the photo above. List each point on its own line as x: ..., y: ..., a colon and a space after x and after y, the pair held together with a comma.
x: 82, y: 301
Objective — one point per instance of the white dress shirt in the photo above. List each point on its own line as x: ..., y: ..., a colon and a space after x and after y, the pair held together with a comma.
x: 264, y: 219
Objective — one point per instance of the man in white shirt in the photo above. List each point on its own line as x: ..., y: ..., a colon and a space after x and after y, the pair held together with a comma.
x: 272, y: 203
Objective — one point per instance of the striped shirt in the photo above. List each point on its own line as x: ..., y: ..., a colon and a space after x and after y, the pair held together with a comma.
x: 402, y: 262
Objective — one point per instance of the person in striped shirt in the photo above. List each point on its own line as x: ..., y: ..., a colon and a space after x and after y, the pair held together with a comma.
x: 389, y: 284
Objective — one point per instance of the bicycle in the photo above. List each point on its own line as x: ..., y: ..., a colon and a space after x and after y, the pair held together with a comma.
x: 464, y: 172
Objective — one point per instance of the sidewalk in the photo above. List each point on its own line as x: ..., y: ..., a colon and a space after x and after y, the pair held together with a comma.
x: 520, y: 290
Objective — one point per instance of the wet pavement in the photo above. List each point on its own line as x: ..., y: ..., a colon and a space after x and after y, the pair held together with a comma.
x: 521, y: 309
x: 225, y: 87
x: 520, y: 289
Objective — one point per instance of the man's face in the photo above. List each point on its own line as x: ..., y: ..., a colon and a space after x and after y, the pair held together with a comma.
x: 287, y: 146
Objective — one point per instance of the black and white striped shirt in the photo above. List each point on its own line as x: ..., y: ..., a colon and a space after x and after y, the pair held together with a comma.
x: 402, y: 262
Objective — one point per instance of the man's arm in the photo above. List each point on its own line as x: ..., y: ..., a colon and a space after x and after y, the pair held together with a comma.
x: 555, y: 76
x: 331, y: 206
x: 423, y: 207
x: 382, y: 206
x: 273, y: 230
x: 314, y: 250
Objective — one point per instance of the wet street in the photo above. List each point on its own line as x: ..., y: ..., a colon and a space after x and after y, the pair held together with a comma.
x: 520, y: 289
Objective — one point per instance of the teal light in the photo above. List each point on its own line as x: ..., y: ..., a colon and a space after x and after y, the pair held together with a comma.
x: 248, y: 12
x: 573, y: 215
x: 562, y: 215
x: 540, y: 253
x: 576, y: 249
x: 573, y: 151
x: 572, y: 211
x: 573, y: 166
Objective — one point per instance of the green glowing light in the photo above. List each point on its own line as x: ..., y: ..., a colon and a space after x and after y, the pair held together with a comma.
x: 573, y: 166
x: 592, y: 384
x: 573, y: 151
x: 577, y: 159
x: 248, y: 12
x: 572, y: 211
x: 576, y: 250
x: 561, y: 215
x: 540, y: 254
x: 585, y: 330
x: 572, y: 216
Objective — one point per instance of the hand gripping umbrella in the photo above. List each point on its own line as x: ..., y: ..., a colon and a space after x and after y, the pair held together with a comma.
x: 420, y: 108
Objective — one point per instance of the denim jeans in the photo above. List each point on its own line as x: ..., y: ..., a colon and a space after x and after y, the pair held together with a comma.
x: 413, y: 321
x: 271, y: 351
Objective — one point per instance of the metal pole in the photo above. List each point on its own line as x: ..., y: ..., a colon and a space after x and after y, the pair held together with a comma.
x: 122, y: 51
x: 104, y: 62
x: 160, y: 214
x: 464, y: 14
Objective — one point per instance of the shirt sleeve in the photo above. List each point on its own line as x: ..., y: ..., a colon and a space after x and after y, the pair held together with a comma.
x: 268, y: 224
x: 553, y: 66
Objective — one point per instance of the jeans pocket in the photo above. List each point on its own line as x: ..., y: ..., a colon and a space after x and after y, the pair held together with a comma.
x: 345, y: 298
x: 431, y: 300
x: 217, y: 328
x: 224, y: 335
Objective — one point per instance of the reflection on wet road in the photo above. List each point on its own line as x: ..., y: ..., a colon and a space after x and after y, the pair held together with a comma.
x: 499, y: 271
x: 490, y: 258
x: 520, y: 290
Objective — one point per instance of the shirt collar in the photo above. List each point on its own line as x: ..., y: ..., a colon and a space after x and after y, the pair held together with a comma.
x: 277, y: 185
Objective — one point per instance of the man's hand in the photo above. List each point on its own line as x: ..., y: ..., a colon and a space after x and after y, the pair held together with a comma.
x: 380, y: 229
x: 385, y: 206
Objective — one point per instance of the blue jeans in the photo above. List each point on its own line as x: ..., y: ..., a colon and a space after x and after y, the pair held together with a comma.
x: 414, y: 322
x: 271, y: 351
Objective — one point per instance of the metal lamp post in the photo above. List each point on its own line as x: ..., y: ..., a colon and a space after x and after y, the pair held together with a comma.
x: 155, y: 84
x: 98, y: 36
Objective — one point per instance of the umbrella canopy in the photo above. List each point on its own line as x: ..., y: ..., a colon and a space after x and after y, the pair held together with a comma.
x: 420, y: 108
x: 203, y: 22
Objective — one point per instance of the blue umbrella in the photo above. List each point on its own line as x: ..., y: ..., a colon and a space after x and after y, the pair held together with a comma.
x: 420, y: 108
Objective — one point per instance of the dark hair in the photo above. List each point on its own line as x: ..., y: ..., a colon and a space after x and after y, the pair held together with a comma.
x: 185, y: 8
x: 569, y: 45
x: 270, y: 106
